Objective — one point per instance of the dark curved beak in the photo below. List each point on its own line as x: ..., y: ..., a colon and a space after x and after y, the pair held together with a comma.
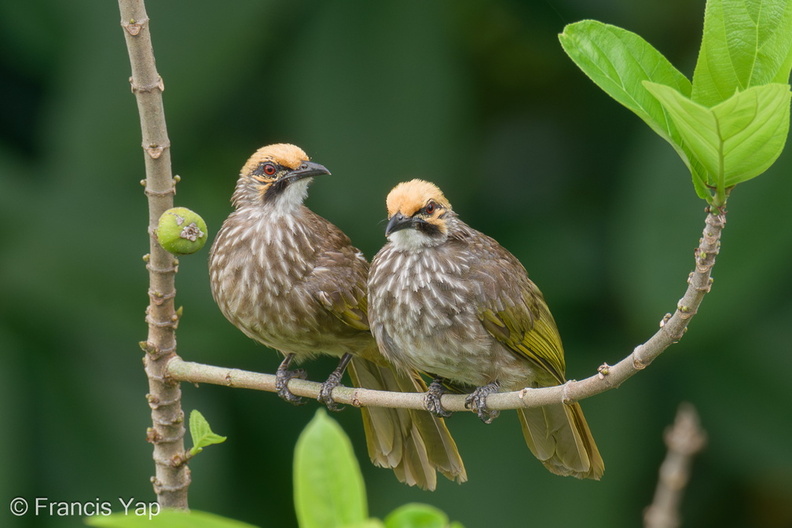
x: 398, y: 222
x: 307, y: 169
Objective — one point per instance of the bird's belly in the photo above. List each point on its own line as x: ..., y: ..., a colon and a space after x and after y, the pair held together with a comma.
x: 280, y: 311
x: 463, y: 352
x: 455, y: 361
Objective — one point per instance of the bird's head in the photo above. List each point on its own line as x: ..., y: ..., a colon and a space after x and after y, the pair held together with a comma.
x: 418, y: 215
x: 276, y: 176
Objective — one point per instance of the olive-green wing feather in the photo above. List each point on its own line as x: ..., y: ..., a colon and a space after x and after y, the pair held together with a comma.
x: 513, y: 310
x: 527, y: 328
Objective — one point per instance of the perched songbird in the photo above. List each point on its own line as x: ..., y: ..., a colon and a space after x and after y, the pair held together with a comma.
x: 291, y: 280
x: 449, y: 301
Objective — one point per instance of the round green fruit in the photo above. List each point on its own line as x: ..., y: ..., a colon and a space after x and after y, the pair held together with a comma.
x: 181, y: 231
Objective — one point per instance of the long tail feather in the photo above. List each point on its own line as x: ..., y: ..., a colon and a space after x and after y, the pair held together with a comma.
x: 414, y: 444
x: 560, y: 438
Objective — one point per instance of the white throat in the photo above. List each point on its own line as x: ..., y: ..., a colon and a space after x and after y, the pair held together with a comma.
x: 291, y: 199
x: 411, y: 240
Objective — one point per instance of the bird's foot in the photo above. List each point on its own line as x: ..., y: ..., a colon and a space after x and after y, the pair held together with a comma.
x: 333, y: 381
x: 432, y: 399
x: 326, y: 394
x: 282, y: 377
x: 478, y: 402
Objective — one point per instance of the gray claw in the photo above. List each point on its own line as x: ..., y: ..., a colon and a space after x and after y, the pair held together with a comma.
x: 432, y: 399
x: 478, y: 402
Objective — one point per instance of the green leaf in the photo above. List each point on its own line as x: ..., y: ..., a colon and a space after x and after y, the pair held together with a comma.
x: 619, y: 62
x: 368, y: 523
x: 736, y: 140
x: 328, y: 485
x: 165, y: 519
x: 417, y: 515
x: 201, y: 433
x: 745, y: 43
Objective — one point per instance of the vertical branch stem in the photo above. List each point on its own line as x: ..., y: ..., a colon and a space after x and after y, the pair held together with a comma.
x: 172, y: 477
x: 684, y: 439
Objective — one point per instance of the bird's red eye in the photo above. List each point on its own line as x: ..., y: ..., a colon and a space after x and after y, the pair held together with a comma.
x: 269, y: 169
x: 430, y: 208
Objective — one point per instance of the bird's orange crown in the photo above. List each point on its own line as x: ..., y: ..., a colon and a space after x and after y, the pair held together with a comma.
x: 410, y: 197
x: 290, y: 156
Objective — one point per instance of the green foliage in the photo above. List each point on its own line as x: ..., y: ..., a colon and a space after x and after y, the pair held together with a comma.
x: 735, y: 140
x: 328, y: 486
x: 418, y: 516
x: 619, y: 61
x: 745, y: 44
x: 731, y: 123
x: 329, y: 490
x: 201, y: 433
x: 166, y: 519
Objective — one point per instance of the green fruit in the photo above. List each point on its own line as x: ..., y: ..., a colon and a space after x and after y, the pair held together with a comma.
x: 181, y: 231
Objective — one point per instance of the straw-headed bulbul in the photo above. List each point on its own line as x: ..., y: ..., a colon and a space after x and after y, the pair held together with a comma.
x: 449, y: 301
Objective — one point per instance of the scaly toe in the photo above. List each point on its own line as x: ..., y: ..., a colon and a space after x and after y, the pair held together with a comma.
x: 432, y: 399
x: 478, y: 401
x: 326, y: 395
x: 282, y: 378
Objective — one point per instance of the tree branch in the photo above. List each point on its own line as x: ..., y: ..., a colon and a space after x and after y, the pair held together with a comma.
x: 172, y: 477
x: 672, y: 327
x: 684, y: 439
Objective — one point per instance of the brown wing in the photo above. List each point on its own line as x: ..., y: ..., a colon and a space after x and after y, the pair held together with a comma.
x: 512, y: 308
x: 339, y: 278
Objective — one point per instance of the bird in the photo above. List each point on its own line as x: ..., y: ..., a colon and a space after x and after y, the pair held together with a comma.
x: 450, y: 302
x: 291, y: 280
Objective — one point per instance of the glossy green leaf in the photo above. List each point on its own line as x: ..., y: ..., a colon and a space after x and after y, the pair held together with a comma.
x: 201, y: 433
x: 736, y: 140
x: 417, y: 515
x: 165, y: 519
x: 619, y: 62
x: 328, y: 485
x: 745, y: 43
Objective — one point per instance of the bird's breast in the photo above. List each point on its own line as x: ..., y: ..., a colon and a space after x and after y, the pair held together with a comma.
x: 425, y: 304
x: 259, y: 270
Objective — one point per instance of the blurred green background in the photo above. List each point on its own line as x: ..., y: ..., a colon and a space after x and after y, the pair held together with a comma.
x: 475, y: 96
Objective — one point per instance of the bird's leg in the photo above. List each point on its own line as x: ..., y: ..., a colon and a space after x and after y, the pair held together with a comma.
x: 282, y: 377
x: 432, y: 399
x: 478, y: 402
x: 333, y: 381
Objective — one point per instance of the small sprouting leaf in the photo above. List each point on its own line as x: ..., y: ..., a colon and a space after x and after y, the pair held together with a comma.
x: 328, y: 485
x: 417, y: 515
x: 202, y: 435
x: 744, y: 44
x: 735, y: 140
x: 164, y: 519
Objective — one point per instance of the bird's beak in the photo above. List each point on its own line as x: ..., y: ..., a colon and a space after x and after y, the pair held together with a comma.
x: 398, y: 222
x: 307, y: 169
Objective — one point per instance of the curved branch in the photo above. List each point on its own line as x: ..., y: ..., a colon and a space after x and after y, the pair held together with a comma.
x: 672, y: 327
